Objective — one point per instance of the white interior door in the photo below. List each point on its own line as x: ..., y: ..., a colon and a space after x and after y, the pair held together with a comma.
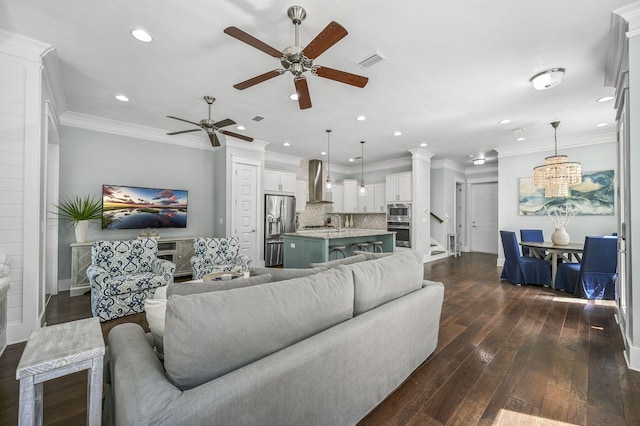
x: 245, y: 208
x: 484, y: 217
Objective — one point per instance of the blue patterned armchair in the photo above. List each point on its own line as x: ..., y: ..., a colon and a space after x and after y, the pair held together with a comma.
x: 217, y: 255
x: 123, y: 274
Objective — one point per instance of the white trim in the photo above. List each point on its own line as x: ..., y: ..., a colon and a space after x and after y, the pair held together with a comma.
x: 421, y: 154
x: 509, y: 151
x: 632, y: 356
x: 53, y: 80
x: 447, y: 164
x: 480, y: 170
x: 631, y: 14
x: 274, y: 157
x: 23, y: 47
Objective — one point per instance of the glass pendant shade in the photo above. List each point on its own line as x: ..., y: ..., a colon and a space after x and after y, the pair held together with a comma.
x: 557, y: 173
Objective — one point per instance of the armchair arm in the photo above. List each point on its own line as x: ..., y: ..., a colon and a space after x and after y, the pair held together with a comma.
x: 163, y: 267
x: 243, y: 262
x: 98, y: 279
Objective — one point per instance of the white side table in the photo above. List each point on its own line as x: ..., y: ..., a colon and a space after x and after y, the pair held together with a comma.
x: 56, y: 351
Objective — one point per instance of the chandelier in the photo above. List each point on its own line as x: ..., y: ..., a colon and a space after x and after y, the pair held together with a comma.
x: 558, y: 173
x: 363, y: 188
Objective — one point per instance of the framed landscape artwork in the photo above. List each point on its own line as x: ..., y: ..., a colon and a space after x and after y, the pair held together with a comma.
x: 595, y: 195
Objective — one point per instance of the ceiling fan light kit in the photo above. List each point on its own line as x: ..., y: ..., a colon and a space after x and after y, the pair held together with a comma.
x: 211, y: 127
x: 297, y: 60
x: 547, y: 79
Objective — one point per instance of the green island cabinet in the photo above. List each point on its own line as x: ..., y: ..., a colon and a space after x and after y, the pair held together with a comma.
x: 305, y: 247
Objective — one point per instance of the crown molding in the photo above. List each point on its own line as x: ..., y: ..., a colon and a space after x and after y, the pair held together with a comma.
x: 534, y: 148
x: 23, y: 47
x: 53, y: 78
x: 421, y: 154
x: 481, y: 170
x: 274, y: 157
x: 105, y: 125
x: 631, y: 14
x: 447, y: 164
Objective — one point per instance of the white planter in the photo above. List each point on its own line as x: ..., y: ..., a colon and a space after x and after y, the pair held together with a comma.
x: 560, y: 237
x: 81, y: 229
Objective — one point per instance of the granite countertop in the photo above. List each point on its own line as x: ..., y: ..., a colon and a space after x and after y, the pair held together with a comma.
x: 332, y: 233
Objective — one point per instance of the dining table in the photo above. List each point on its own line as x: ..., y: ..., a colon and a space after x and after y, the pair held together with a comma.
x: 552, y: 252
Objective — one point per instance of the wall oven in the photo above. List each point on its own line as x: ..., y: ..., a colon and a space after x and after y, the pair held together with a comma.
x: 399, y: 213
x: 403, y: 233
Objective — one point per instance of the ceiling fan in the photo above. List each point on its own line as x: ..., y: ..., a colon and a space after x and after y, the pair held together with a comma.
x: 298, y: 60
x: 209, y: 126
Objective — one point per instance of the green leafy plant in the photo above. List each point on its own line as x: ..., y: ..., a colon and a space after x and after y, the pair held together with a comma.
x: 77, y: 208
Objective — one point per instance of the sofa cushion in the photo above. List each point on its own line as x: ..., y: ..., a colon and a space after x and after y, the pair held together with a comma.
x: 280, y: 274
x: 370, y: 255
x: 155, y: 310
x: 382, y: 280
x: 210, y: 334
x: 343, y: 261
x: 187, y: 288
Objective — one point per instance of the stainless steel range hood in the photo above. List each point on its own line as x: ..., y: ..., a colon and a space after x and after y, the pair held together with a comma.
x: 316, y: 183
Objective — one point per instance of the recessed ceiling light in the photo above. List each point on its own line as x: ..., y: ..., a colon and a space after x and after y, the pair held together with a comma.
x: 361, y: 118
x: 605, y: 99
x: 602, y: 124
x: 293, y: 96
x: 423, y: 144
x: 521, y: 139
x: 122, y: 98
x: 351, y: 160
x: 286, y: 144
x: 505, y: 121
x: 397, y: 133
x: 142, y: 35
x: 241, y: 127
x: 323, y: 153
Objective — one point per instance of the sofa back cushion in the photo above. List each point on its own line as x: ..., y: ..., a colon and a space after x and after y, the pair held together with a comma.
x: 281, y: 274
x: 187, y: 288
x: 210, y: 334
x: 382, y: 280
x: 342, y: 261
x: 125, y: 257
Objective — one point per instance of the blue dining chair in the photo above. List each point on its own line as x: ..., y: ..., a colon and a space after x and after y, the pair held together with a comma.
x: 595, y: 277
x: 531, y: 236
x: 522, y: 270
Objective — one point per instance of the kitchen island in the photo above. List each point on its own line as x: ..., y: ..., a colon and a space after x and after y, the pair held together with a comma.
x: 312, y: 246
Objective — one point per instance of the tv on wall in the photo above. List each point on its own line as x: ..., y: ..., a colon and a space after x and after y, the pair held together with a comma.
x: 134, y: 207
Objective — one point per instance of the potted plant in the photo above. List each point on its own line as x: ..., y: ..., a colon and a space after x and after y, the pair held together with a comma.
x: 79, y: 211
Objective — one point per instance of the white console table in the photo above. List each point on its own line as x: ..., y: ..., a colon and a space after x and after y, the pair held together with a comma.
x: 57, y: 351
x: 176, y: 250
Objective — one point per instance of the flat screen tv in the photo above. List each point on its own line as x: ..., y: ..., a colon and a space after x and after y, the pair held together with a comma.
x: 134, y: 207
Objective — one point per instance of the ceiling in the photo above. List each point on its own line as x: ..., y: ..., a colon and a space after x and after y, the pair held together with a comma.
x: 453, y: 70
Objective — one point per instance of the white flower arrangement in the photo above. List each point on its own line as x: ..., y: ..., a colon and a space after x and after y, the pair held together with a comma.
x: 562, y: 214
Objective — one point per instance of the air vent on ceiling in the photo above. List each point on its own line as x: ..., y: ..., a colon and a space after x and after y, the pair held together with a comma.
x: 257, y: 118
x: 518, y: 130
x: 371, y: 60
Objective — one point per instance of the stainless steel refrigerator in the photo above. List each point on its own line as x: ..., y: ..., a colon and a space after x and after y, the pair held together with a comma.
x: 279, y: 218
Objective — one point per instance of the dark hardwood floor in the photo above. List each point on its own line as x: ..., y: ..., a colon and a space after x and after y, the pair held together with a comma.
x: 506, y: 355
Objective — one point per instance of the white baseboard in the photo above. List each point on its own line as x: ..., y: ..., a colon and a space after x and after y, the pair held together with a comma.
x: 64, y: 285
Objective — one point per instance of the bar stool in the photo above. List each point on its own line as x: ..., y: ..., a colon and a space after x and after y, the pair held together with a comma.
x: 377, y: 246
x: 337, y: 249
x: 363, y: 246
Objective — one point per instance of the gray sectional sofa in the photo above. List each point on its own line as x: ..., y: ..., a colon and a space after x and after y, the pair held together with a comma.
x: 322, y: 348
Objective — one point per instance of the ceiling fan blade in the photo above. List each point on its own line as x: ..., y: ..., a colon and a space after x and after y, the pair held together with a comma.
x: 341, y: 76
x: 184, y: 131
x: 214, y: 139
x: 258, y: 79
x: 331, y: 34
x: 223, y: 123
x: 252, y: 41
x: 182, y: 119
x: 302, y: 89
x: 236, y: 135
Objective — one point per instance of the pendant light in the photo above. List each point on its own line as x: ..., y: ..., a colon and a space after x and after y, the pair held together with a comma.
x: 327, y: 184
x: 557, y: 173
x: 363, y: 189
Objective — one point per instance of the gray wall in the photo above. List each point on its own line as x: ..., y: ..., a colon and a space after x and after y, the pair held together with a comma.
x: 89, y: 159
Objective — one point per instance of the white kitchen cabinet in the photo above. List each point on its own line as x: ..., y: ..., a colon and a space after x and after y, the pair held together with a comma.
x: 337, y: 196
x: 301, y: 195
x: 365, y: 201
x: 279, y: 182
x: 399, y: 187
x: 379, y: 199
x: 350, y: 196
